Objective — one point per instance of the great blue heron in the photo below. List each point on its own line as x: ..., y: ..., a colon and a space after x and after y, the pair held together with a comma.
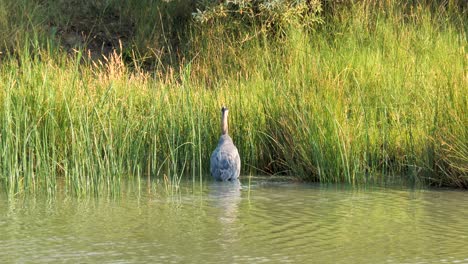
x: 225, y: 161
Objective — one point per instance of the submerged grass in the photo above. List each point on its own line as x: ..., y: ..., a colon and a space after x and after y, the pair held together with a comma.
x: 367, y: 97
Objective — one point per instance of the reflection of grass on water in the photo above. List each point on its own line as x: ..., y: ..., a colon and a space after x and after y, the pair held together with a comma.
x: 366, y: 96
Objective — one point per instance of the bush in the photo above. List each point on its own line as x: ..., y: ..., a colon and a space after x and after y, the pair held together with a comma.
x: 272, y: 16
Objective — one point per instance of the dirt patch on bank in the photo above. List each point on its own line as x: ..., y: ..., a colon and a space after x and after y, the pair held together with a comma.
x: 96, y: 27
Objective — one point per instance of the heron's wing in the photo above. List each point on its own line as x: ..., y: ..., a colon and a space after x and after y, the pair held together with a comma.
x: 225, y: 165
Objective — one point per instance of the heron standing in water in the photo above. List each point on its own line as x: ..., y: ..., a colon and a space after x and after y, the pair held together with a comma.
x: 225, y: 161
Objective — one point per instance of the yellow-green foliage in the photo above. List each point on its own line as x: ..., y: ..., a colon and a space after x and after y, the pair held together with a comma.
x: 367, y: 97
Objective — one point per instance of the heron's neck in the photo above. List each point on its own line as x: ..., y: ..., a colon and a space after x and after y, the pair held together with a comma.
x: 224, y: 124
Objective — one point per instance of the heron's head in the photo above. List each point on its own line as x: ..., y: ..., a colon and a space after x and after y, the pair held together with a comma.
x: 224, y: 121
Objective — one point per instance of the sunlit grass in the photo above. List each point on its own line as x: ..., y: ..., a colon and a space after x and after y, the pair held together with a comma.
x: 366, y: 98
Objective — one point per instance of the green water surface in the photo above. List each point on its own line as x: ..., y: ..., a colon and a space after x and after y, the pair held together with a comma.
x: 227, y: 223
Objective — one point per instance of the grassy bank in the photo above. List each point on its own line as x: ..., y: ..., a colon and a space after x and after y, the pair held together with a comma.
x: 366, y: 96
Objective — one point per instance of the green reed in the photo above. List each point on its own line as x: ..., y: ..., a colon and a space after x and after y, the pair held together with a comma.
x: 366, y: 97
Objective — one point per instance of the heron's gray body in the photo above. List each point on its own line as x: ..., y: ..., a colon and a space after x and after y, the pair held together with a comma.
x: 225, y: 160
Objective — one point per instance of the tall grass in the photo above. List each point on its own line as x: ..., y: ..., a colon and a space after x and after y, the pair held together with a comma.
x: 93, y: 124
x: 367, y: 97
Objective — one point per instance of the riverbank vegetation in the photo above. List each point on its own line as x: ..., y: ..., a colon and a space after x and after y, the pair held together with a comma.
x: 349, y: 91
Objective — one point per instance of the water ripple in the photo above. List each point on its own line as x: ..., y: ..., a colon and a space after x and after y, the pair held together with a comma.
x: 274, y: 223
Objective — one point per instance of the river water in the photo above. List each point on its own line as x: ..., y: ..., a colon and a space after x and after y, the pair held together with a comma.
x: 260, y: 222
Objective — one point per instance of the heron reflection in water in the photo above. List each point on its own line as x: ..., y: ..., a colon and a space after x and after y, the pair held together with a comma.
x: 226, y: 196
